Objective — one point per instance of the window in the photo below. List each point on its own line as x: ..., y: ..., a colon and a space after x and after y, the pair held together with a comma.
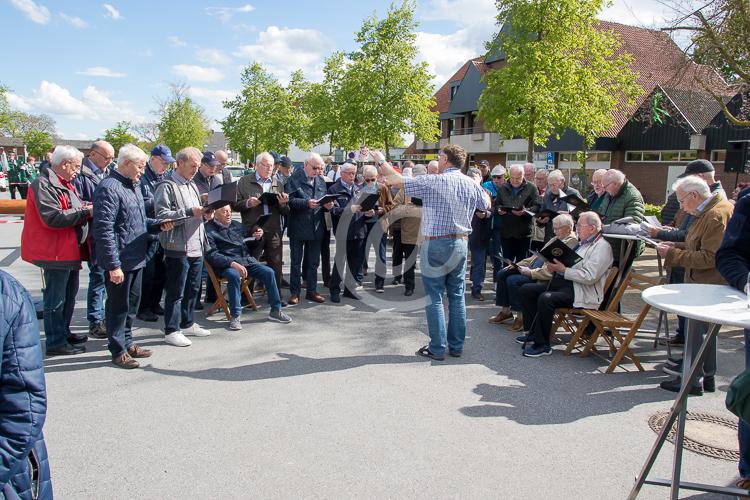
x: 454, y: 88
x: 660, y: 156
x: 568, y: 157
x: 591, y: 156
x: 509, y: 157
x: 718, y: 155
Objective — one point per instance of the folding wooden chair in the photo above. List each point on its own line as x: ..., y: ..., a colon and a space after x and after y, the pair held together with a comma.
x: 569, y: 318
x: 220, y: 285
x: 608, y: 324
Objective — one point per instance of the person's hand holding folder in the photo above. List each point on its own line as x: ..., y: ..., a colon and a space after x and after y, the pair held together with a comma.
x: 556, y: 267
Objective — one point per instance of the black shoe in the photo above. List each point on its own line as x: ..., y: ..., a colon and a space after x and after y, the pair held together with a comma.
x: 674, y: 361
x: 477, y: 296
x: 349, y: 295
x: 425, y: 352
x: 76, y: 339
x: 98, y: 331
x: 335, y: 296
x: 409, y: 292
x: 326, y: 283
x: 147, y: 316
x: 199, y: 306
x: 674, y: 385
x: 65, y: 350
x: 396, y: 280
x: 158, y: 310
x: 454, y: 354
x: 709, y: 384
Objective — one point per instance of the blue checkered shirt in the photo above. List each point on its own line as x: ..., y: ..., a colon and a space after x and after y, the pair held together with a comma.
x: 448, y: 201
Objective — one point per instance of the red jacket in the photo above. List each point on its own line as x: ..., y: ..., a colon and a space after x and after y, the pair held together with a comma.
x: 55, y: 226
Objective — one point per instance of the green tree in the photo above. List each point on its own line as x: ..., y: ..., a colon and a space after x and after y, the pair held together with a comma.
x: 181, y: 122
x: 119, y: 135
x: 385, y: 93
x: 265, y: 115
x: 719, y: 33
x: 38, y: 143
x: 562, y: 71
x: 324, y: 106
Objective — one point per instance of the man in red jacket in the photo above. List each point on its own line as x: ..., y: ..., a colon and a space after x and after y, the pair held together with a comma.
x: 54, y: 238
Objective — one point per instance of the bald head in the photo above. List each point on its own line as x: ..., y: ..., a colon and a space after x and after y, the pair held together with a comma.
x: 102, y: 153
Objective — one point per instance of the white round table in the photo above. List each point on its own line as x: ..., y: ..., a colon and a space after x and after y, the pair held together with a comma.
x: 716, y: 305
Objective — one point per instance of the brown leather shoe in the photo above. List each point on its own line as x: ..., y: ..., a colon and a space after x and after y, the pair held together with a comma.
x: 517, y: 325
x: 125, y: 361
x: 500, y: 317
x: 137, y: 351
x: 315, y: 297
x: 293, y: 300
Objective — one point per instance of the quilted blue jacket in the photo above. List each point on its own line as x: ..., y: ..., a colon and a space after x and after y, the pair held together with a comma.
x: 120, y: 223
x: 23, y: 397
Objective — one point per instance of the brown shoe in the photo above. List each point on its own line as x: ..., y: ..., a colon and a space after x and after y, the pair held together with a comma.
x: 125, y: 361
x: 137, y: 351
x: 315, y: 297
x: 293, y: 300
x: 517, y: 325
x: 500, y: 317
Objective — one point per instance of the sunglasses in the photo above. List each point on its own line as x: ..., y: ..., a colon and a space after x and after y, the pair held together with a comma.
x: 370, y: 180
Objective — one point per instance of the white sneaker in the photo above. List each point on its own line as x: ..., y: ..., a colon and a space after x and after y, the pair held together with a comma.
x: 197, y: 331
x: 177, y: 339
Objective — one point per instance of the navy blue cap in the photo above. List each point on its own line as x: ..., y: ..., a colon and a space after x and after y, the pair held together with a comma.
x: 163, y: 152
x: 285, y: 161
x: 697, y: 167
x: 209, y: 159
x: 276, y: 157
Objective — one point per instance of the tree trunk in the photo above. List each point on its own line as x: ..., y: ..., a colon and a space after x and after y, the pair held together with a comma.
x: 530, y: 149
x: 387, y: 151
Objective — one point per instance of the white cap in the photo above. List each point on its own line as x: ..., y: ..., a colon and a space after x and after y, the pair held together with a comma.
x: 499, y: 170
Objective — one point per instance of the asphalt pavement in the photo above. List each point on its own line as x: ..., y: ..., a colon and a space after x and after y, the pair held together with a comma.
x: 337, y: 405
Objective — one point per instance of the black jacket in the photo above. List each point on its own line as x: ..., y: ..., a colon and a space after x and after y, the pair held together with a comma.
x: 513, y: 226
x: 226, y: 245
x: 356, y: 223
x: 305, y: 223
x: 733, y: 256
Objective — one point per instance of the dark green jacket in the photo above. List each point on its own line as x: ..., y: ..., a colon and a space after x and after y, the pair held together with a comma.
x: 19, y: 172
x: 628, y: 202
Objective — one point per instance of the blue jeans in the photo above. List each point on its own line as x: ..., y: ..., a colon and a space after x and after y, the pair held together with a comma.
x: 95, y: 297
x: 122, y: 306
x: 743, y: 433
x: 443, y: 270
x: 478, y: 265
x: 256, y: 270
x: 311, y: 251
x: 508, y: 293
x: 183, y: 283
x: 61, y: 287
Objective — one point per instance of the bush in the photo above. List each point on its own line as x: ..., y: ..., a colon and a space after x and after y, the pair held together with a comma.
x: 654, y: 210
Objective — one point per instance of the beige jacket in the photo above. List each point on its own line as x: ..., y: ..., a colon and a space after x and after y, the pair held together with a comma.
x: 410, y: 217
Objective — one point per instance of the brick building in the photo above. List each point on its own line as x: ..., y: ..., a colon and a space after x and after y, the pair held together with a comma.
x: 651, y: 154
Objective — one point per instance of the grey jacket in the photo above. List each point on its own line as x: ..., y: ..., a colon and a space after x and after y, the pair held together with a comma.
x: 169, y: 203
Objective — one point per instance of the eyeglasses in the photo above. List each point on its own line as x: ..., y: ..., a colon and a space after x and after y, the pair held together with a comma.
x: 106, y: 158
x: 370, y: 180
x: 682, y: 200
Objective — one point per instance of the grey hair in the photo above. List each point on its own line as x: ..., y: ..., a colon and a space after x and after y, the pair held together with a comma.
x: 563, y: 220
x: 592, y: 218
x: 265, y: 155
x: 418, y: 170
x: 692, y: 184
x: 62, y: 154
x: 617, y: 176
x: 131, y: 153
x: 314, y: 157
x: 346, y: 167
x: 515, y: 168
x: 370, y: 169
x: 555, y: 175
x: 528, y: 165
x: 601, y: 171
x: 474, y: 171
x: 188, y: 153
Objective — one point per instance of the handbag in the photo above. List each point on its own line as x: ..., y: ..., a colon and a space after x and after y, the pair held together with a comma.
x: 738, y: 396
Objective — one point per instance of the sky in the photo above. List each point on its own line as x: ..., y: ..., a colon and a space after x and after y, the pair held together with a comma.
x: 91, y: 64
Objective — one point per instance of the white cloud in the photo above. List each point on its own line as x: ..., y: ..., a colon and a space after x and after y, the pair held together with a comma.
x: 213, y: 56
x: 74, y: 21
x: 225, y: 14
x: 444, y: 54
x: 101, y: 71
x: 37, y: 13
x: 111, y: 11
x: 283, y: 50
x: 94, y: 104
x: 176, y: 41
x: 198, y: 73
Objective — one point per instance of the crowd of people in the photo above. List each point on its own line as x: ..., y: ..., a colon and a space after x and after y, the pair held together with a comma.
x: 145, y: 228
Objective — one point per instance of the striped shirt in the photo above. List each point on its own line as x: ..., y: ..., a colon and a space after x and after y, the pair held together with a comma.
x: 448, y: 201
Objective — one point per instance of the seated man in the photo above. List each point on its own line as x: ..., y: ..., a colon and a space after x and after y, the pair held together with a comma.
x: 510, y: 279
x: 230, y: 257
x: 579, y: 286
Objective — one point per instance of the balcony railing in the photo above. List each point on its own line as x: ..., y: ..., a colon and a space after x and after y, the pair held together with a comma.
x: 468, y: 131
